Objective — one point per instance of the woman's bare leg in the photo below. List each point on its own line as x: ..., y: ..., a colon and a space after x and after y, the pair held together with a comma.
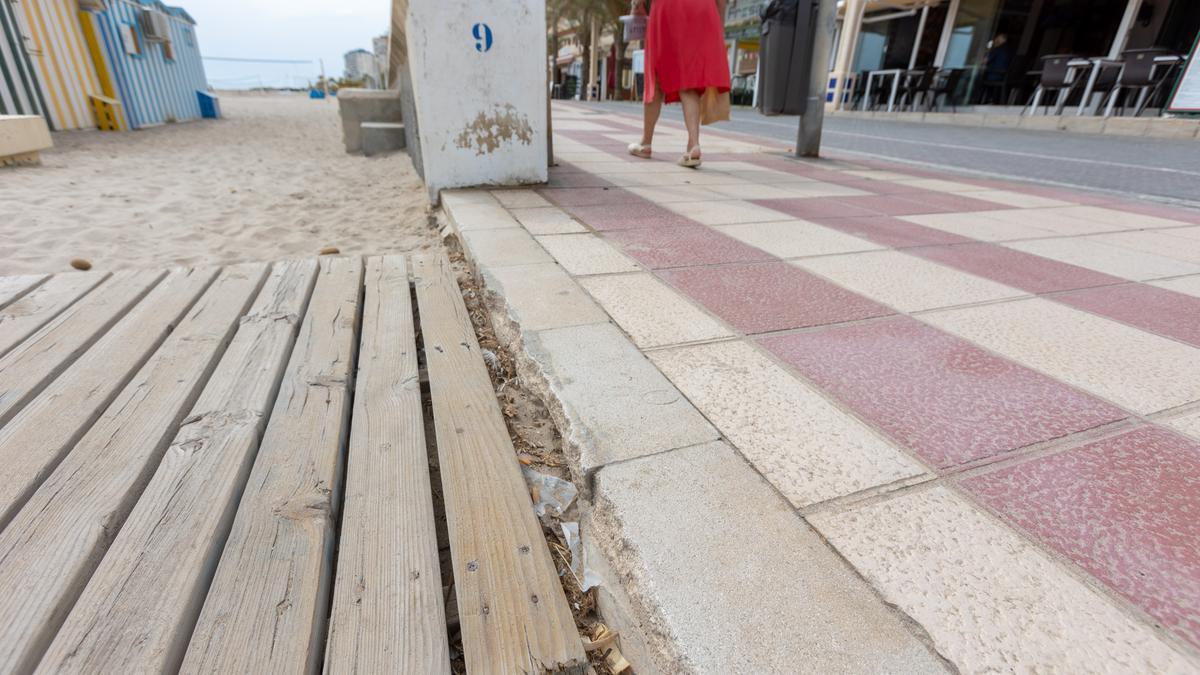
x: 691, y: 116
x: 650, y: 112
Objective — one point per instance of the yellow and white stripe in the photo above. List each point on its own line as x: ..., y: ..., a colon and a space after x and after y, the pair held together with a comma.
x: 63, y: 63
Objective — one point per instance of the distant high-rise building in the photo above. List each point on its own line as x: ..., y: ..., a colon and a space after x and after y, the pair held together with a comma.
x: 360, y: 65
x: 381, y: 59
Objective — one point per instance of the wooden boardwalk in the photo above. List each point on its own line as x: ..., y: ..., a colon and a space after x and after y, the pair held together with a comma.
x: 226, y: 470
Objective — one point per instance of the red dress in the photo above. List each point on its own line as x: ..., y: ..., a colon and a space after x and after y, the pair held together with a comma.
x: 685, y: 50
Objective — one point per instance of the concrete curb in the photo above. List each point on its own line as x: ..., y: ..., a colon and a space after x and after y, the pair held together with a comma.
x: 705, y: 567
x: 1172, y: 128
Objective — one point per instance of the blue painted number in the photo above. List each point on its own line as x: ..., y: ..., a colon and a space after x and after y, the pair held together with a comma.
x: 483, y: 37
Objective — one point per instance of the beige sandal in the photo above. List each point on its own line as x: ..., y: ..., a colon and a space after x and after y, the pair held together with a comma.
x: 639, y: 150
x: 692, y: 159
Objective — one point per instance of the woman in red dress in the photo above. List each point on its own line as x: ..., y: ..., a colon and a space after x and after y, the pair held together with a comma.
x: 685, y: 62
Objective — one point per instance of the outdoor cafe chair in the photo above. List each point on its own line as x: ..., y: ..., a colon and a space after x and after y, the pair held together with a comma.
x: 1056, y: 77
x: 946, y: 84
x: 916, y: 83
x: 1139, y: 72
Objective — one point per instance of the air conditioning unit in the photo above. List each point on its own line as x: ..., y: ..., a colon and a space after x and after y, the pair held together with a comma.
x: 156, y: 26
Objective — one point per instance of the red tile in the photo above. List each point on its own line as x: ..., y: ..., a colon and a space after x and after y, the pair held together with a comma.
x: 572, y: 177
x: 891, y: 231
x: 907, y: 204
x: 952, y: 202
x: 1126, y: 509
x: 1018, y: 269
x: 947, y: 400
x: 633, y: 214
x: 816, y: 207
x: 665, y: 247
x: 771, y: 296
x: 590, y: 196
x: 1157, y: 310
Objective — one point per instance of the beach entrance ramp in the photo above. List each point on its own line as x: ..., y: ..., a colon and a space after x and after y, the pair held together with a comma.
x: 229, y: 470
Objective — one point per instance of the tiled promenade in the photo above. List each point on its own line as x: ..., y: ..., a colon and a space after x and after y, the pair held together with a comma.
x: 984, y: 396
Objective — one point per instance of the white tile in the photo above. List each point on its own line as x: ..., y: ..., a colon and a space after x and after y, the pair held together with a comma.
x: 1121, y: 219
x: 650, y: 311
x: 547, y: 220
x: 668, y: 194
x: 1188, y: 425
x: 467, y: 217
x: 1135, y: 369
x: 796, y: 238
x: 803, y: 444
x: 1114, y: 260
x: 1189, y: 285
x: 726, y: 212
x: 978, y: 226
x: 906, y: 282
x: 990, y: 601
x: 542, y: 296
x: 582, y: 254
x: 814, y: 188
x: 1157, y: 242
x: 519, y: 199
x: 939, y: 185
x: 1017, y: 199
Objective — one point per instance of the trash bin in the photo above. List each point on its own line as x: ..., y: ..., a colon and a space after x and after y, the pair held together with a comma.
x: 785, y: 56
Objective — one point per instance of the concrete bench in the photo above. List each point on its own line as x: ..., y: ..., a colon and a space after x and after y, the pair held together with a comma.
x: 381, y: 137
x: 356, y: 106
x: 22, y: 137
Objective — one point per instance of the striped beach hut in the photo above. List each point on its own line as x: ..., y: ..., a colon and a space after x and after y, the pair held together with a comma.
x: 65, y: 70
x: 19, y: 91
x: 152, y: 54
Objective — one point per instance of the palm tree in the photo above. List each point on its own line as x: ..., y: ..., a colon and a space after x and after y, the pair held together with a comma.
x: 583, y: 13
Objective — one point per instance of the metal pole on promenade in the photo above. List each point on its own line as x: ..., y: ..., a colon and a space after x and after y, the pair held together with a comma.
x: 808, y: 139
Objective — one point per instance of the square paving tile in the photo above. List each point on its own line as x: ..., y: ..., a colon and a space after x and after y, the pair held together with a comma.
x: 890, y: 231
x: 1188, y: 425
x: 582, y: 254
x: 1106, y: 258
x: 542, y: 296
x: 906, y: 282
x: 1188, y: 285
x: 589, y: 196
x: 633, y: 214
x: 796, y: 238
x: 547, y: 220
x: 816, y: 207
x: 653, y: 313
x: 757, y: 298
x: 659, y: 248
x: 504, y: 247
x: 953, y: 201
x: 517, y: 199
x: 1158, y: 211
x: 1135, y: 369
x: 946, y: 399
x: 980, y: 226
x: 1157, y: 310
x: 801, y: 442
x: 1124, y: 509
x: 898, y: 205
x: 1025, y: 271
x: 1019, y: 200
x: 574, y: 178
x: 726, y: 212
x: 991, y: 601
x: 1165, y: 243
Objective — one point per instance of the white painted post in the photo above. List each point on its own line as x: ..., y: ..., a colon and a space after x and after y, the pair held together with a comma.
x: 1122, y: 36
x: 851, y: 25
x: 947, y: 33
x: 489, y: 128
x: 912, y: 60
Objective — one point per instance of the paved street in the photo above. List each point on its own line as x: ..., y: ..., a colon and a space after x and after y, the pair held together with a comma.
x: 984, y: 396
x: 1140, y: 167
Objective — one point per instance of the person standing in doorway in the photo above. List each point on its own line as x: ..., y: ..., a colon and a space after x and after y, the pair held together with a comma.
x: 685, y: 63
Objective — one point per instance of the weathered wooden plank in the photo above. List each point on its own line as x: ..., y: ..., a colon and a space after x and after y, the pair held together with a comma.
x: 137, y: 612
x: 388, y: 614
x: 52, y: 545
x: 267, y: 606
x: 513, y: 612
x: 36, y: 439
x: 12, y: 288
x: 22, y: 317
x: 32, y: 364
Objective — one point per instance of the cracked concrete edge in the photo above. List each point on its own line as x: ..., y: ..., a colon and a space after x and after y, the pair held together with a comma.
x: 645, y: 641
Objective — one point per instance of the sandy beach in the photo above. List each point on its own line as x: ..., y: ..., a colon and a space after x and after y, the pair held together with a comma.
x: 269, y: 181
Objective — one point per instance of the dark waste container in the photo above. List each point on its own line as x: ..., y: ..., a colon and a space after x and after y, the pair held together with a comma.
x: 785, y: 56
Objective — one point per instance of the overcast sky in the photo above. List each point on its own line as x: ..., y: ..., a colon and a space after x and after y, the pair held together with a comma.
x: 282, y: 29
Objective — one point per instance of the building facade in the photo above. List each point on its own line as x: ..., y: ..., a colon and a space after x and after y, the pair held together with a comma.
x: 117, y: 64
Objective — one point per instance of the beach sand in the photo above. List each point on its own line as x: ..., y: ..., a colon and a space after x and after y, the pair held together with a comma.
x: 269, y: 181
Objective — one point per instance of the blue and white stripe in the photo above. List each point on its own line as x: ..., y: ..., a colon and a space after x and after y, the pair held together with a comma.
x: 153, y: 89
